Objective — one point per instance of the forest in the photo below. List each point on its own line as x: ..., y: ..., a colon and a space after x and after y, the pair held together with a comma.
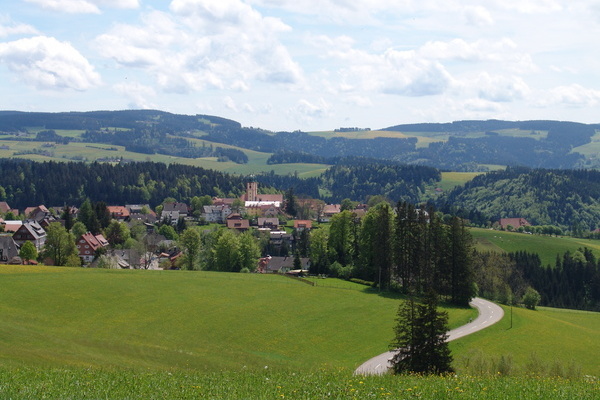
x: 150, y: 131
x: 566, y: 198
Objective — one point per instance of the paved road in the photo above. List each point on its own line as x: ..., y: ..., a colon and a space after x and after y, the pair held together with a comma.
x: 489, y: 314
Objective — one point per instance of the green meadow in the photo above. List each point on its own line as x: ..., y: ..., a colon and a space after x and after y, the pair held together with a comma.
x: 546, y: 246
x: 88, y: 333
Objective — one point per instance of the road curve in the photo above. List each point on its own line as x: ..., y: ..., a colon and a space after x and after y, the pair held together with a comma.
x: 489, y: 314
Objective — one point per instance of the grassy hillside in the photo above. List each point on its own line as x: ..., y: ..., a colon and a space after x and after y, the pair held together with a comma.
x: 199, y: 320
x: 539, y: 340
x: 546, y: 246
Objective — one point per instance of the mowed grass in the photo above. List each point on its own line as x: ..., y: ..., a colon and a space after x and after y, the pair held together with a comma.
x: 192, y: 320
x: 548, y: 338
x: 547, y: 247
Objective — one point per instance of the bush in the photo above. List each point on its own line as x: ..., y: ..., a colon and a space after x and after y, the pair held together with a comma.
x: 362, y: 282
x: 531, y: 298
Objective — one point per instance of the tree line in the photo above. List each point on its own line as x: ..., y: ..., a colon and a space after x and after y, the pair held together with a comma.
x: 407, y: 249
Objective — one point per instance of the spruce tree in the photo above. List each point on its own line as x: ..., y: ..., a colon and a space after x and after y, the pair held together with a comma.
x: 421, y: 338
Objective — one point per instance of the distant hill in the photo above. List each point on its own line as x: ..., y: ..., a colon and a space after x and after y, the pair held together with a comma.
x: 566, y: 198
x: 457, y: 146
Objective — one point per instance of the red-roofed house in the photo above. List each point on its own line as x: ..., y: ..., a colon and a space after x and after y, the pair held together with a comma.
x: 235, y: 221
x: 87, y: 244
x: 302, y: 224
x: 514, y: 222
x: 120, y: 213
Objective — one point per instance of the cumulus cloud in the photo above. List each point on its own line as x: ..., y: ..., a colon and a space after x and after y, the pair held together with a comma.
x: 203, y: 44
x: 575, y: 96
x: 478, y: 16
x: 83, y: 6
x: 46, y: 63
x: 9, y: 27
x: 308, y: 111
x: 501, y: 88
x: 138, y: 94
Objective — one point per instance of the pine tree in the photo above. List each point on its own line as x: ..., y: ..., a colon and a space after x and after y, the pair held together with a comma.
x: 421, y: 338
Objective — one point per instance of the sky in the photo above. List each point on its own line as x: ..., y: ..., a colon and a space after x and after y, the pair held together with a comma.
x: 306, y: 64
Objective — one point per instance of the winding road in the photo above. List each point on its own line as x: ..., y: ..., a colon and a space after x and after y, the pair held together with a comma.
x: 489, y: 314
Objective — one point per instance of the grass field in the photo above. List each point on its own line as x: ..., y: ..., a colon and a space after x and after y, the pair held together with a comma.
x: 258, y: 385
x: 546, y: 246
x: 544, y: 339
x: 198, y: 320
x: 81, y: 333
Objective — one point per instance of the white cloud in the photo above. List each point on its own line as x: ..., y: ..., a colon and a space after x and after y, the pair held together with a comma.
x: 478, y: 16
x: 47, y: 63
x: 575, y: 96
x: 138, y: 94
x: 83, y: 6
x: 501, y: 88
x: 204, y: 44
x: 9, y: 27
x: 229, y: 103
x: 308, y: 111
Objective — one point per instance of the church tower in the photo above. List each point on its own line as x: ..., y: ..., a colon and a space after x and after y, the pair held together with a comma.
x: 252, y: 191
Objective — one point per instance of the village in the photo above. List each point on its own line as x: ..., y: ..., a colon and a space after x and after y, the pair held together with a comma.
x: 263, y: 214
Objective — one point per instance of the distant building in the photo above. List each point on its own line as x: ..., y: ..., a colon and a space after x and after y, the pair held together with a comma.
x: 30, y: 231
x: 515, y: 223
x: 87, y: 244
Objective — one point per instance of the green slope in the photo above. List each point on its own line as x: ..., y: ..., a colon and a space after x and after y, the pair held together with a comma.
x: 178, y: 319
x: 546, y: 246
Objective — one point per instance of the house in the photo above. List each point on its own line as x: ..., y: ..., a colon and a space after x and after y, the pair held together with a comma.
x: 302, y: 224
x: 30, y: 231
x: 181, y: 208
x: 11, y: 226
x: 216, y: 214
x: 284, y: 265
x: 5, y: 208
x: 329, y: 211
x: 269, y: 223
x: 88, y: 243
x: 119, y: 213
x: 38, y: 213
x: 170, y: 216
x: 235, y: 221
x: 515, y: 223
x: 8, y: 249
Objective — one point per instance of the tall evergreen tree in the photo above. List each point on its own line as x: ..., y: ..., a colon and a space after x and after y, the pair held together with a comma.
x: 460, y: 263
x: 421, y: 338
x: 375, y: 245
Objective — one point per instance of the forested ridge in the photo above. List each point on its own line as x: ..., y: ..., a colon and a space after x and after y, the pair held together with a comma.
x: 151, y: 131
x: 24, y: 183
x: 567, y: 198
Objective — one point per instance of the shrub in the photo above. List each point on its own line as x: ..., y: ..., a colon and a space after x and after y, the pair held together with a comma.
x: 531, y: 298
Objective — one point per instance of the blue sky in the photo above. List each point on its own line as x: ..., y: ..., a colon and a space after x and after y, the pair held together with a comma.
x: 306, y: 64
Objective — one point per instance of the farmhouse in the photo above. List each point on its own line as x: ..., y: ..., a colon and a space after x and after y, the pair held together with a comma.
x: 515, y: 223
x: 8, y: 249
x: 87, y: 244
x: 30, y: 231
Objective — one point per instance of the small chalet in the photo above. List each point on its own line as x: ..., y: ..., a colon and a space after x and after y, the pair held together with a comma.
x: 38, y: 213
x: 87, y: 244
x: 8, y: 249
x: 284, y: 265
x: 11, y: 226
x: 4, y: 208
x: 302, y: 224
x: 235, y: 221
x: 515, y: 223
x: 30, y: 231
x: 268, y: 223
x: 119, y: 213
x: 216, y: 213
x: 329, y: 211
x: 181, y: 208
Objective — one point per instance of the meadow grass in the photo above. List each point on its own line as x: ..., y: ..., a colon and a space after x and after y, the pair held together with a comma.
x: 547, y: 341
x: 547, y: 247
x: 267, y: 384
